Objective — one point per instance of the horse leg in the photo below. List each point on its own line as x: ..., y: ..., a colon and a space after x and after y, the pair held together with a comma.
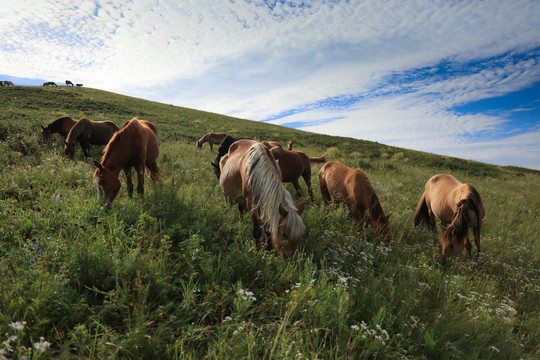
x: 468, y: 245
x: 297, y: 187
x: 307, y: 179
x: 476, y: 231
x: 358, y: 213
x: 154, y: 172
x: 140, y: 179
x: 211, y: 146
x: 129, y: 183
x: 256, y: 229
x: 325, y: 194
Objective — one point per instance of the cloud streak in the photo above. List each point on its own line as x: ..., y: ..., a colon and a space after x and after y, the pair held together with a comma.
x: 392, y: 72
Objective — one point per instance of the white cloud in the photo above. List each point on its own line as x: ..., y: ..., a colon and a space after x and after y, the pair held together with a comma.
x: 251, y: 60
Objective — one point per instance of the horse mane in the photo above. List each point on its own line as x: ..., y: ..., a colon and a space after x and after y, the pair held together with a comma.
x: 461, y: 220
x: 375, y: 207
x: 77, y: 130
x: 204, y: 138
x: 268, y: 192
x: 129, y: 129
x: 57, y: 124
x: 224, y: 147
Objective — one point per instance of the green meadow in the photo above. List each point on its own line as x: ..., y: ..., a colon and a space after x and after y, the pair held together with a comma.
x: 176, y: 274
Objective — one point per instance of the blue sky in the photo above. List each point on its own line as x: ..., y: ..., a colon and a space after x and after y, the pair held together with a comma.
x: 458, y: 78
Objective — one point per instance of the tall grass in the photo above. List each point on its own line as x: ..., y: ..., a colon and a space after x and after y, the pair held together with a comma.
x: 176, y: 274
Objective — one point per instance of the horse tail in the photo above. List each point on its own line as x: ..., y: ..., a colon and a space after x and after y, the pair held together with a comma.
x: 421, y: 215
x: 474, y: 200
x: 319, y: 160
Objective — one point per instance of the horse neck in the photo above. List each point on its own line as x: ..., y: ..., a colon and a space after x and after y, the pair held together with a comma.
x: 76, y: 131
x: 461, y: 220
x: 114, y: 158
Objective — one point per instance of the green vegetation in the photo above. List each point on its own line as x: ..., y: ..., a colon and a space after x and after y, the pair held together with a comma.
x: 176, y: 274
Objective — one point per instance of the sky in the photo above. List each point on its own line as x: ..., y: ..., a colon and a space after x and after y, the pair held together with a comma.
x: 451, y: 77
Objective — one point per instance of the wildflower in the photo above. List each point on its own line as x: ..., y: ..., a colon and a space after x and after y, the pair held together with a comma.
x: 494, y: 349
x: 13, y: 338
x: 355, y: 327
x: 42, y: 345
x: 17, y: 325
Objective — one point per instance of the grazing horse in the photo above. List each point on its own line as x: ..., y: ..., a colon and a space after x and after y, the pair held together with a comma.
x: 88, y: 132
x: 294, y: 164
x: 60, y: 126
x: 50, y: 83
x: 135, y: 145
x: 69, y: 83
x: 211, y: 138
x: 353, y: 187
x: 251, y: 178
x: 6, y: 83
x: 79, y: 85
x: 458, y: 206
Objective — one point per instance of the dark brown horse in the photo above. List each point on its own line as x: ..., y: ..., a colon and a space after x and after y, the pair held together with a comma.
x: 87, y: 132
x: 251, y: 178
x: 458, y: 206
x: 211, y: 138
x: 60, y: 126
x: 354, y: 188
x: 69, y: 83
x: 135, y: 145
x: 294, y: 164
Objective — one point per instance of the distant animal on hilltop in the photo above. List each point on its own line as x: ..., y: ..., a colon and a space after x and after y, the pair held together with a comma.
x: 353, y: 187
x: 251, y: 178
x: 60, y: 126
x: 6, y: 83
x: 294, y: 164
x: 88, y: 132
x: 135, y: 145
x: 69, y: 83
x: 50, y: 83
x: 79, y: 85
x: 458, y: 206
x: 211, y: 138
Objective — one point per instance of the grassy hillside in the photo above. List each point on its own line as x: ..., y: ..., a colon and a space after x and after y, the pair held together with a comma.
x: 176, y: 274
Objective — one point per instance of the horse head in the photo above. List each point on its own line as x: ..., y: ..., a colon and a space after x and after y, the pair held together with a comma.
x: 290, y: 228
x: 69, y: 149
x: 107, y: 184
x: 381, y: 227
x: 45, y: 132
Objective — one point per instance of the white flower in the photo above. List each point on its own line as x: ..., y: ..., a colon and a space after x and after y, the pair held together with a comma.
x: 355, y: 327
x: 42, y: 345
x: 17, y: 325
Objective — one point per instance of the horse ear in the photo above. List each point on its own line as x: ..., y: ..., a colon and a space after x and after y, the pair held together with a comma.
x: 388, y: 216
x: 301, y: 208
x: 42, y: 127
x: 282, y: 211
x: 214, y: 165
x: 98, y: 164
x: 65, y: 142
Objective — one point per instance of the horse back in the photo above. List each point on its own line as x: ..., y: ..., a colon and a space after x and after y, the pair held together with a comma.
x: 443, y: 192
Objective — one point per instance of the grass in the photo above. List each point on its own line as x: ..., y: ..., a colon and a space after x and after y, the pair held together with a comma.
x: 176, y: 274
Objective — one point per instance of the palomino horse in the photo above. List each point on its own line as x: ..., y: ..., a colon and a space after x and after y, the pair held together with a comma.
x: 88, y: 132
x: 294, y: 164
x: 453, y: 203
x: 60, y: 126
x: 211, y: 138
x: 353, y: 187
x: 251, y: 178
x: 135, y: 145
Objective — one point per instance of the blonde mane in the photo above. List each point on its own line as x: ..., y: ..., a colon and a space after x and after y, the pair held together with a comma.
x: 263, y: 182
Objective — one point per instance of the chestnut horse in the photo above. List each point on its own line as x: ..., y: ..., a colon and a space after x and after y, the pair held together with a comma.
x: 294, y: 164
x: 353, y: 187
x: 135, y: 145
x: 60, y: 126
x: 211, y: 138
x: 458, y: 206
x: 88, y: 132
x: 251, y: 178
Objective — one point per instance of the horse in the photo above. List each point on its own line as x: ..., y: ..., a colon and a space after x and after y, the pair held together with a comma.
x: 354, y: 188
x: 458, y: 206
x: 79, y: 85
x: 88, y: 132
x: 134, y: 145
x: 61, y: 126
x: 294, y: 164
x: 50, y: 83
x: 211, y: 138
x: 289, y: 145
x: 251, y: 178
x: 6, y: 83
x: 69, y: 83
x: 271, y: 144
